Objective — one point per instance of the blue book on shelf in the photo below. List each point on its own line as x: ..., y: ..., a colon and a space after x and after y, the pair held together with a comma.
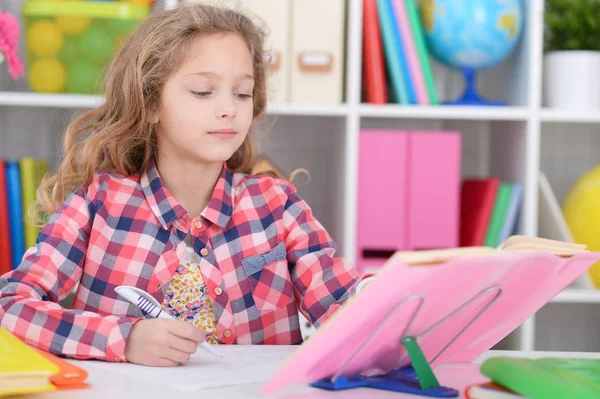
x: 395, y: 58
x: 404, y: 64
x: 15, y: 211
x: 512, y: 213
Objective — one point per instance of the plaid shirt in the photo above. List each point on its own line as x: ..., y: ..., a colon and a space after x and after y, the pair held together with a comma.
x: 263, y: 254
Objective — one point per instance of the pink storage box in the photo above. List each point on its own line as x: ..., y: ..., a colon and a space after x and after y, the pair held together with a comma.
x: 408, y: 193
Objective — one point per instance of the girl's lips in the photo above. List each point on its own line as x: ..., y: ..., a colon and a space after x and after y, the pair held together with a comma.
x: 224, y: 134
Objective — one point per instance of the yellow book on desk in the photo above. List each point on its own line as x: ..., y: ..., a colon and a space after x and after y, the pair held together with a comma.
x: 22, y: 369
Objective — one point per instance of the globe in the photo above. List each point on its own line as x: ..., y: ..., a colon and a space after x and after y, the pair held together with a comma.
x: 472, y: 35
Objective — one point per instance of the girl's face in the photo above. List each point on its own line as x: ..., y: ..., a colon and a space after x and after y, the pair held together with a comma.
x: 206, y: 106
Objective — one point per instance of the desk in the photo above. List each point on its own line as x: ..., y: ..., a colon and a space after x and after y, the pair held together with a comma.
x: 107, y: 384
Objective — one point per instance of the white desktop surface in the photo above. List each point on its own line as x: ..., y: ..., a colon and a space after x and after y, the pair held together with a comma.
x: 107, y: 382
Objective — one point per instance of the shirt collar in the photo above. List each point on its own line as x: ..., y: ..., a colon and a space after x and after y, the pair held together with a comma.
x: 220, y: 205
x: 166, y: 208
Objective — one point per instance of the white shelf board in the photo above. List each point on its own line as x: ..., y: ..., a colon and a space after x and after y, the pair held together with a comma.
x: 569, y: 116
x: 572, y: 295
x: 508, y: 113
x: 28, y: 99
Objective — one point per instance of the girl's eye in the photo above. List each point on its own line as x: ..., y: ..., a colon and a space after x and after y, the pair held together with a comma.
x: 201, y: 93
x: 243, y: 96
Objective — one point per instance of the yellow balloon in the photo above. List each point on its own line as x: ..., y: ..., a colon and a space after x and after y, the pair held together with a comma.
x: 73, y: 25
x: 581, y: 210
x: 44, y: 38
x: 47, y: 75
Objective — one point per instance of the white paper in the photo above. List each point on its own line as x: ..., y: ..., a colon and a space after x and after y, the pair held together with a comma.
x: 241, y: 364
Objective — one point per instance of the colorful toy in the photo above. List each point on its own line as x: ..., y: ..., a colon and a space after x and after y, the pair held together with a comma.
x: 77, y: 40
x: 47, y: 75
x: 581, y: 209
x: 82, y: 77
x: 9, y: 44
x: 73, y: 25
x: 68, y: 52
x: 44, y: 38
x: 96, y: 44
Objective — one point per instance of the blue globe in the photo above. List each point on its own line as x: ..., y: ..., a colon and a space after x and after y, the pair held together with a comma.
x: 472, y: 35
x: 478, y: 34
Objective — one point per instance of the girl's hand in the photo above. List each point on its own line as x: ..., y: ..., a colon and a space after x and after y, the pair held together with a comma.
x: 162, y: 342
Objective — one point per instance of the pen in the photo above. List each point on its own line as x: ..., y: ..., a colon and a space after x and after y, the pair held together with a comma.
x: 150, y: 306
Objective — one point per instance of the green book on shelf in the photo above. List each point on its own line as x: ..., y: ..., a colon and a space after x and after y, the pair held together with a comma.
x: 546, y: 378
x: 501, y: 204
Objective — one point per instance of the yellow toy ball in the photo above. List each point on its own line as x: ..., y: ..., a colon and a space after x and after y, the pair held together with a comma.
x: 44, y: 38
x: 73, y: 25
x: 47, y: 75
x: 581, y: 210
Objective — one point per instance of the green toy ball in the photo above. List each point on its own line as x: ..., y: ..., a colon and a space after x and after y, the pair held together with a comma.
x: 82, y: 77
x: 96, y: 45
x: 69, y: 51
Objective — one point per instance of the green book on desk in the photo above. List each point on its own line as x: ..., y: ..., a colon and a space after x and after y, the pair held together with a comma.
x: 546, y: 378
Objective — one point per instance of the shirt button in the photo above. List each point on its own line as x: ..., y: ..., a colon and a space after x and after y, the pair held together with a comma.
x: 204, y: 252
x: 198, y: 225
x: 227, y: 333
x: 218, y: 291
x: 157, y: 285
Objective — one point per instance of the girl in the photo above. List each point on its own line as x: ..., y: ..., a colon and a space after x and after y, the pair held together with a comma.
x: 154, y: 192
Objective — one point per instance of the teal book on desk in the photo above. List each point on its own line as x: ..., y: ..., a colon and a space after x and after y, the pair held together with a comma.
x: 546, y: 378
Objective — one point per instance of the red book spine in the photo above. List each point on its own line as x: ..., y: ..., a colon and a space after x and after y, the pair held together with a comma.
x: 476, y: 206
x: 374, y: 76
x: 5, y: 245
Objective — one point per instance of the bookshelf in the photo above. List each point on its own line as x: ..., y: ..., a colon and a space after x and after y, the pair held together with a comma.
x: 514, y: 142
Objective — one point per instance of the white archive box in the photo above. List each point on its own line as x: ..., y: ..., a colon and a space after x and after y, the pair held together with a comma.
x: 275, y: 15
x: 317, y: 62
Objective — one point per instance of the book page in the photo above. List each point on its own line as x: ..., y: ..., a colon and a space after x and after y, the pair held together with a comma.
x: 241, y: 364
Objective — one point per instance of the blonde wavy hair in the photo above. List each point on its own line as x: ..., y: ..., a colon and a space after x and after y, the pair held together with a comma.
x: 119, y: 135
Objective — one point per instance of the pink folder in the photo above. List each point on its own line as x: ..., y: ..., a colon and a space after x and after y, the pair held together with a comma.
x: 457, y: 310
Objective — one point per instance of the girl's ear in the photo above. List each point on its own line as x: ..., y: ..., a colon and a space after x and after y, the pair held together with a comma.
x: 154, y: 117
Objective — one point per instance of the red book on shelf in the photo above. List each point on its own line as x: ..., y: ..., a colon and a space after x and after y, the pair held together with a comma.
x: 5, y: 247
x: 476, y: 205
x: 374, y: 77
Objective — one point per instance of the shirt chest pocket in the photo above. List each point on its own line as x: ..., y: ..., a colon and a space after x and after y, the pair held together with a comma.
x: 269, y: 278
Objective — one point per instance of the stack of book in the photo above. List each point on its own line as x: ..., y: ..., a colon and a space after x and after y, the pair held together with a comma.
x: 396, y: 66
x: 489, y: 209
x: 19, y: 180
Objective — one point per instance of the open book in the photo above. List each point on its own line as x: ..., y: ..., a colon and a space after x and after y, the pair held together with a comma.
x: 515, y: 243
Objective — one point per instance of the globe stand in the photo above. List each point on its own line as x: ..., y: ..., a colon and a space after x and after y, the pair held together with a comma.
x: 470, y: 95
